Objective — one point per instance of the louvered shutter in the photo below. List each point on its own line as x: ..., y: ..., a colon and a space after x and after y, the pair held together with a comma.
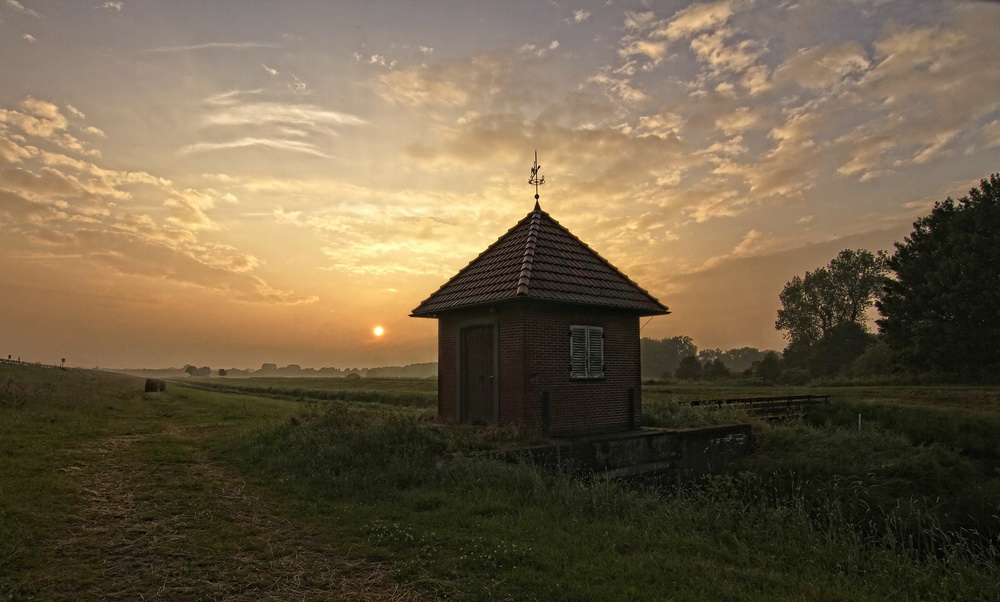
x: 578, y: 351
x: 586, y: 351
x: 595, y: 352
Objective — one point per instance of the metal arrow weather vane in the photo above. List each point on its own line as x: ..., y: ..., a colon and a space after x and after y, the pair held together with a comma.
x: 535, y: 179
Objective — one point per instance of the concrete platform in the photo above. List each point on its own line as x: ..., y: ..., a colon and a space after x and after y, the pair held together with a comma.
x: 673, y: 455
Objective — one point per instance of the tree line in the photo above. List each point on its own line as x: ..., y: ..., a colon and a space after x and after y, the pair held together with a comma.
x: 679, y: 357
x: 937, y: 296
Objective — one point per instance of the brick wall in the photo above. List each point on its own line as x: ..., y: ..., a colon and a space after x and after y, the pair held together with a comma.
x: 533, y: 366
x: 581, y: 406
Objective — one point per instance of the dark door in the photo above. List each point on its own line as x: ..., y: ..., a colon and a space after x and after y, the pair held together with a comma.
x: 477, y: 365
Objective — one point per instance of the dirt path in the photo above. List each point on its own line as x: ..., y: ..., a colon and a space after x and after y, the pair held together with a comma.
x: 160, y: 521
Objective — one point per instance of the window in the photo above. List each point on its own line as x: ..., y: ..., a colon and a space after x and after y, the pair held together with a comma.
x: 586, y: 351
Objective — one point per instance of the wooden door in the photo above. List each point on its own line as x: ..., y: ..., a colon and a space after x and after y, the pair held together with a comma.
x: 478, y: 381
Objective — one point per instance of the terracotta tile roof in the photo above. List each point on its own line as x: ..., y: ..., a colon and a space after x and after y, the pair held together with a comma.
x: 540, y: 259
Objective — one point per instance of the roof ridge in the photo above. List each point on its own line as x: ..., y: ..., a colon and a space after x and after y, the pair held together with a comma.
x: 528, y: 261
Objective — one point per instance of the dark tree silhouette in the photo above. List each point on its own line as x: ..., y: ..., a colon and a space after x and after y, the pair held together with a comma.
x: 833, y: 295
x: 941, y: 311
x: 689, y: 368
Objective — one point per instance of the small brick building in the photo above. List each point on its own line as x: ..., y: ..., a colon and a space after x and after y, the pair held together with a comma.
x: 542, y: 332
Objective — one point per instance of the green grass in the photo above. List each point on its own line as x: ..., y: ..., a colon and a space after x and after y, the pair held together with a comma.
x: 200, y: 493
x: 400, y: 392
x: 513, y: 532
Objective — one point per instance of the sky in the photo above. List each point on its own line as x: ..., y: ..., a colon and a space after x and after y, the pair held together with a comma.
x: 229, y: 183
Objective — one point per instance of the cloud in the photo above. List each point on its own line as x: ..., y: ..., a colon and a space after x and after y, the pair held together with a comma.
x: 579, y: 16
x: 270, y: 70
x: 991, y: 132
x: 619, y: 87
x: 790, y: 167
x: 137, y: 256
x: 652, y: 50
x: 714, y: 50
x: 67, y: 206
x: 44, y: 120
x: 922, y: 95
x: 825, y: 66
x: 29, y: 38
x: 739, y: 120
x: 443, y: 85
x: 17, y: 6
x: 537, y: 52
x: 697, y: 18
x: 216, y: 45
x: 243, y: 121
x: 113, y: 6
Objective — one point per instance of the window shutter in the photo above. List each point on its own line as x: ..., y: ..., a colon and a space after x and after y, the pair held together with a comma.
x: 595, y: 352
x: 586, y: 351
x: 578, y: 351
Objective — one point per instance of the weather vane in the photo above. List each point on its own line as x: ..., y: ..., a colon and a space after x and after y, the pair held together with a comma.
x: 536, y: 179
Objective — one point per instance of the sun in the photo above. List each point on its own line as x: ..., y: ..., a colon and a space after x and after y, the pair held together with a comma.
x: 378, y: 331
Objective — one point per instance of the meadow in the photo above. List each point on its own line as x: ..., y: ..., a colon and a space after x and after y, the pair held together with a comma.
x: 337, y: 489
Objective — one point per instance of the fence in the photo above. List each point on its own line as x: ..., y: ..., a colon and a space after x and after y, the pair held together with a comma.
x: 769, y: 407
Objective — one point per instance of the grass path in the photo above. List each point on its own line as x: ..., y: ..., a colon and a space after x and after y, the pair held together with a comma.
x: 149, y: 514
x: 162, y: 521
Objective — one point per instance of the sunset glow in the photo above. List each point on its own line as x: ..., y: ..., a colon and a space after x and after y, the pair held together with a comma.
x: 377, y: 331
x: 228, y: 184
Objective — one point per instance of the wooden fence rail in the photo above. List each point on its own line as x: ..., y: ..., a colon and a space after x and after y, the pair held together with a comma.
x: 768, y: 407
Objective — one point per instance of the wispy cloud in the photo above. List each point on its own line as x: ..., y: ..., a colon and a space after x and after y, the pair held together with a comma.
x: 65, y: 205
x: 241, y: 120
x: 216, y: 45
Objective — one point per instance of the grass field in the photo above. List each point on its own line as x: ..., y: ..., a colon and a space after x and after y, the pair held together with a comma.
x: 332, y: 489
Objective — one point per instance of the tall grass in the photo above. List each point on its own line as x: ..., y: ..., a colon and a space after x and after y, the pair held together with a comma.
x: 469, y: 528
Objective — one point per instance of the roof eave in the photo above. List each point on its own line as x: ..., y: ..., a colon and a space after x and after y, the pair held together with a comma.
x: 640, y: 312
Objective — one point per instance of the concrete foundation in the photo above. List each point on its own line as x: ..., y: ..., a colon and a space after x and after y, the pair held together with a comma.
x: 671, y: 455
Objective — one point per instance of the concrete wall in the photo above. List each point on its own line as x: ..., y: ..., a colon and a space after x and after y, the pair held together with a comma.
x: 673, y: 455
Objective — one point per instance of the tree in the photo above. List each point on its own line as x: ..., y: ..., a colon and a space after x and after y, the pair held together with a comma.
x: 661, y: 357
x: 941, y: 311
x: 768, y: 368
x: 222, y: 372
x: 715, y: 370
x: 193, y: 371
x: 837, y: 294
x: 840, y: 346
x: 689, y: 368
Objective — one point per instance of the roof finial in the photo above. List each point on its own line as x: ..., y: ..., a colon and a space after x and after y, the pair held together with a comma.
x: 536, y: 179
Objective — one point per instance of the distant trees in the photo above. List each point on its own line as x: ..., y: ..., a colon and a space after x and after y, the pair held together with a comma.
x: 193, y: 371
x: 689, y: 368
x: 678, y: 357
x: 941, y: 311
x: 736, y: 360
x: 660, y: 357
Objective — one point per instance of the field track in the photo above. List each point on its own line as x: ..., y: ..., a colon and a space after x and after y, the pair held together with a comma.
x: 161, y: 521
